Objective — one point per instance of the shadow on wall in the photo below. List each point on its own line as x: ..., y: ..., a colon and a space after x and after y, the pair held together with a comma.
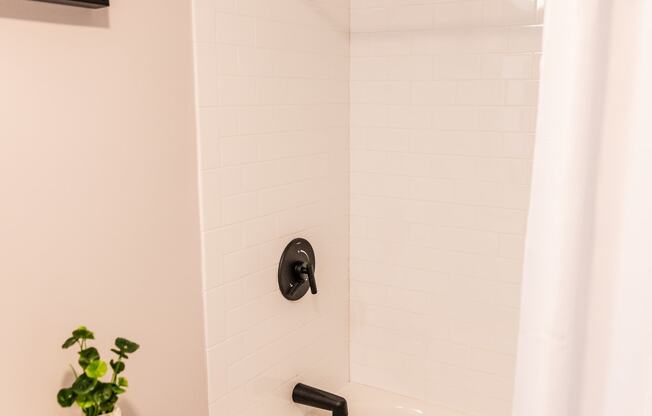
x: 127, y: 408
x: 54, y: 13
x: 333, y: 12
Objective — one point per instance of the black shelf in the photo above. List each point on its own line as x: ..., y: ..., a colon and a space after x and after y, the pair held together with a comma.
x: 89, y: 4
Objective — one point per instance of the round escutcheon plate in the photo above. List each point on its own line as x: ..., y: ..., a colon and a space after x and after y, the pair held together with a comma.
x: 296, y: 252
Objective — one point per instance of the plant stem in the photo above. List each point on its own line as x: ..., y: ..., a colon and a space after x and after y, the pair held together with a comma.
x: 115, y: 375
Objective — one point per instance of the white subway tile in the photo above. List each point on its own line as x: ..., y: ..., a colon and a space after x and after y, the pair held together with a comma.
x: 211, y: 209
x: 239, y: 208
x: 260, y: 230
x: 209, y: 145
x: 518, y: 66
x: 522, y: 92
x: 215, y: 316
x: 225, y: 6
x: 203, y: 20
x: 380, y: 92
x: 481, y: 92
x: 411, y: 17
x: 207, y: 70
x: 227, y: 59
x: 370, y: 20
x: 518, y: 145
x: 525, y: 38
x: 458, y: 14
x: 409, y: 117
x: 491, y: 362
x: 217, y: 370
x: 509, y: 12
x: 236, y: 91
x: 256, y: 62
x: 238, y: 150
x: 433, y: 92
x: 216, y: 243
x: 236, y: 30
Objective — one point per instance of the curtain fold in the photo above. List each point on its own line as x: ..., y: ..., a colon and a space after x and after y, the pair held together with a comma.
x: 586, y: 314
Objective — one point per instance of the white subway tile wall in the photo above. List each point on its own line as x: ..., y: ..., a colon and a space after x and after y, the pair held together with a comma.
x: 272, y: 87
x: 434, y: 109
x: 443, y: 105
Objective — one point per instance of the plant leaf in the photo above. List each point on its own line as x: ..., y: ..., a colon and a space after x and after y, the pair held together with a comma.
x: 102, y: 393
x: 83, y: 385
x: 85, y: 401
x: 117, y: 389
x: 117, y: 366
x: 123, y: 382
x: 69, y: 343
x: 107, y: 407
x: 120, y: 353
x: 83, y: 333
x: 66, y: 397
x: 126, y: 346
x: 87, y: 356
x: 96, y: 369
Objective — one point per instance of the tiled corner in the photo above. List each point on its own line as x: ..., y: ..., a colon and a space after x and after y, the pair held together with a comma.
x: 272, y: 97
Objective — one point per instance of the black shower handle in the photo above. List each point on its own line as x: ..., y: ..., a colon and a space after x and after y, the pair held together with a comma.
x: 307, y: 272
x: 298, y: 285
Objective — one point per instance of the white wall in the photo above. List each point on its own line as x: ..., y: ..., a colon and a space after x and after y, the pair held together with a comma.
x: 272, y: 88
x: 98, y: 214
x: 443, y: 110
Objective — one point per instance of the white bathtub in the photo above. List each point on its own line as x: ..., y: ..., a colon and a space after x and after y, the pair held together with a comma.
x: 369, y: 401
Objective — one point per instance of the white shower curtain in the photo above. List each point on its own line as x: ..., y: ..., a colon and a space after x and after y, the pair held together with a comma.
x: 586, y: 317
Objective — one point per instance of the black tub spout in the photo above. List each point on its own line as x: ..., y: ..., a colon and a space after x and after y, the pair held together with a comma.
x: 320, y: 399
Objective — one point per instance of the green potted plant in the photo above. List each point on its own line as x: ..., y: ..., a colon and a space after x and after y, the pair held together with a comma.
x: 94, y: 396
